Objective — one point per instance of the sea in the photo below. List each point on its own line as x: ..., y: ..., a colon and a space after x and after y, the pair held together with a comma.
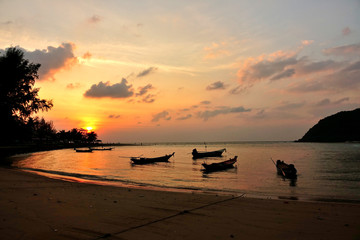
x: 326, y: 171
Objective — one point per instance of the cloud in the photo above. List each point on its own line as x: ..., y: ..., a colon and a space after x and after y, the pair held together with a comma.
x: 162, y: 115
x: 327, y: 102
x: 310, y: 75
x: 205, y: 102
x: 52, y: 59
x: 346, y: 31
x: 263, y: 68
x: 306, y: 42
x: 284, y: 74
x: 150, y: 98
x: 347, y: 50
x: 307, y: 86
x: 144, y: 90
x: 305, y: 67
x: 87, y: 55
x: 73, y: 85
x: 342, y: 79
x: 205, y: 115
x: 114, y: 116
x: 184, y: 117
x: 117, y: 90
x: 290, y: 106
x: 146, y: 72
x: 216, y: 51
x: 215, y: 86
x: 239, y: 89
x: 94, y: 19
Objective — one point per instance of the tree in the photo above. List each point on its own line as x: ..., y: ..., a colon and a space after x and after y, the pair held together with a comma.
x: 77, y: 136
x: 18, y: 97
x: 44, y: 130
x: 91, y: 137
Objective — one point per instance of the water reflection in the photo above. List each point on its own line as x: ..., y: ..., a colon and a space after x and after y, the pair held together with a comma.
x: 326, y: 170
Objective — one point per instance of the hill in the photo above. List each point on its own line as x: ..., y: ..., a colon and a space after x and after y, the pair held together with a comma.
x: 340, y: 127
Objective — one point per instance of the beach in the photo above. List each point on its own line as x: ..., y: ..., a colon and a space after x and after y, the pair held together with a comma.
x: 37, y: 207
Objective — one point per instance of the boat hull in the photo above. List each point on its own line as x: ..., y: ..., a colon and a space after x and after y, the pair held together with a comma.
x: 216, y: 153
x: 101, y: 149
x: 286, y: 170
x: 137, y: 160
x: 220, y: 165
x: 83, y: 150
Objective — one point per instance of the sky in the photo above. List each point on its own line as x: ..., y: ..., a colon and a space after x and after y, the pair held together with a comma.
x: 180, y: 71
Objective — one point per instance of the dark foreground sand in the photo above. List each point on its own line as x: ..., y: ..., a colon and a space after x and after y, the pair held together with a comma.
x: 36, y: 207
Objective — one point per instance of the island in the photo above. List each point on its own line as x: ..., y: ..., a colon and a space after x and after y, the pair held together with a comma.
x: 341, y: 127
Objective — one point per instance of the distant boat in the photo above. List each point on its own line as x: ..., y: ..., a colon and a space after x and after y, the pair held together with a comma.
x: 83, y: 150
x: 101, y: 149
x: 144, y: 160
x: 285, y: 170
x: 220, y: 165
x: 216, y: 153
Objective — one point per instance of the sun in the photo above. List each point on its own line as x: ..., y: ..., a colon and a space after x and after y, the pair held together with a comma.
x: 89, y: 129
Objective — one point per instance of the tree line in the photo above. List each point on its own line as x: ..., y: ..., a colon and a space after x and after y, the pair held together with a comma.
x: 19, y: 101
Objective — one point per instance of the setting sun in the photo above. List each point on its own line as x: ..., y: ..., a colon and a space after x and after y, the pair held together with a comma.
x: 89, y: 129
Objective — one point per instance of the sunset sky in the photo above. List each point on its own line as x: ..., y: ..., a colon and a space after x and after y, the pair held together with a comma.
x: 152, y: 70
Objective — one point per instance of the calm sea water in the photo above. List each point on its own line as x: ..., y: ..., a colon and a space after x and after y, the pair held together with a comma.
x: 325, y: 171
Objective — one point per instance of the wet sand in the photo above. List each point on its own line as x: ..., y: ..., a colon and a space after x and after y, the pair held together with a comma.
x: 36, y: 207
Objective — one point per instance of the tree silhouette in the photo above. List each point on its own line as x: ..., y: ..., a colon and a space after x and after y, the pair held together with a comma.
x: 18, y: 97
x: 77, y: 136
x: 91, y: 137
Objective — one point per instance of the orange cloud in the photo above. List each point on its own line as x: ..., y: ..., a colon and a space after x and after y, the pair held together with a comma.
x: 87, y: 55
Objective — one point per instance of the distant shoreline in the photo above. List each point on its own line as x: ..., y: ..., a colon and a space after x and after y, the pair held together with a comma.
x: 10, y: 150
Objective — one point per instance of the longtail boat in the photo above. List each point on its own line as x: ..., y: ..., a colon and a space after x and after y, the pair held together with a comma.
x: 285, y: 170
x: 83, y: 150
x: 144, y: 160
x: 216, y: 153
x: 220, y: 165
x: 102, y: 149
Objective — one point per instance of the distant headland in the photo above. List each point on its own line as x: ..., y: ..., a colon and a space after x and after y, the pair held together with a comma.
x: 340, y: 127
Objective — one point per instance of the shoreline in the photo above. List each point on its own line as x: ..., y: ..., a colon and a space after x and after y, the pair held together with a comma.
x: 37, y: 207
x: 12, y: 150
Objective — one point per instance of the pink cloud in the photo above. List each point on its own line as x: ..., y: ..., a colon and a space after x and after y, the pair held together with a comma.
x: 324, y: 75
x: 344, y: 78
x: 275, y: 65
x: 347, y: 50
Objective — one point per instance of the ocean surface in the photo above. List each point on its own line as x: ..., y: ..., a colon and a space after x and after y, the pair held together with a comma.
x: 326, y: 172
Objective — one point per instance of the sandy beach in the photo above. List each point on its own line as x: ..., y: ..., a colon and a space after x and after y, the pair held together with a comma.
x: 36, y: 207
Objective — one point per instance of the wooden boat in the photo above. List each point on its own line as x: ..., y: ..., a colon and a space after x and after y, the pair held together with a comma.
x: 216, y: 153
x: 83, y: 150
x: 144, y: 160
x: 220, y: 165
x: 286, y: 170
x: 101, y: 149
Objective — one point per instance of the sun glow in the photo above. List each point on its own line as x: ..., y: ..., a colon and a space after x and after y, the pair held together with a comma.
x: 89, y: 129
